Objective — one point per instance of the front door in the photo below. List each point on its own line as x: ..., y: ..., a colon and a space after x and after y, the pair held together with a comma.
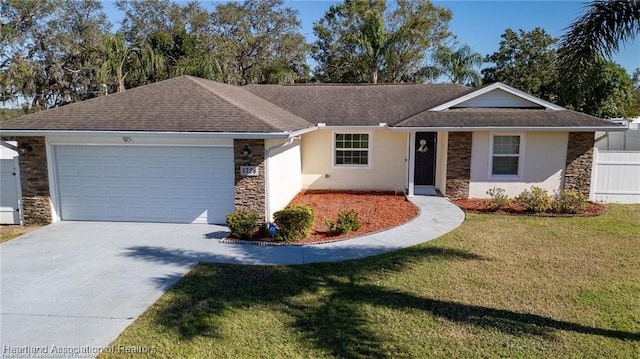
x: 425, y: 159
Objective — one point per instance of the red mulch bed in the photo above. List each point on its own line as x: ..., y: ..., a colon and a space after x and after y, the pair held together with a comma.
x: 479, y: 206
x: 377, y: 210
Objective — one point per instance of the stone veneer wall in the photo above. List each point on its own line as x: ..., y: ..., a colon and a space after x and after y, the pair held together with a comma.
x: 250, y: 191
x: 577, y: 174
x: 459, y: 164
x: 34, y: 179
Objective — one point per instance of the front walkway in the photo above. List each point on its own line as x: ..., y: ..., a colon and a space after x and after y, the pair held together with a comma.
x: 80, y: 284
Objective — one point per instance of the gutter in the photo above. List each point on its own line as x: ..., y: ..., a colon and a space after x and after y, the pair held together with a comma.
x: 239, y: 135
x: 519, y: 129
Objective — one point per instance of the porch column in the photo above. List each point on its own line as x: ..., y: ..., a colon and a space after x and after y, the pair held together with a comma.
x: 459, y: 164
x: 577, y: 173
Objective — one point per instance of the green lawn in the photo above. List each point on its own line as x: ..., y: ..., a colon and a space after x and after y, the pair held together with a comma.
x: 9, y: 232
x: 499, y: 286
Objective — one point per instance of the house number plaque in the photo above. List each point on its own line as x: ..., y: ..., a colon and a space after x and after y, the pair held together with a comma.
x: 251, y: 171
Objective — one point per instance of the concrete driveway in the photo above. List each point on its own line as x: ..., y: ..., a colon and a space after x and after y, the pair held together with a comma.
x: 80, y: 284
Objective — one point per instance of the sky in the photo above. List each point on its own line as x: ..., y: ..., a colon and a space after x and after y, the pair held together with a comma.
x: 478, y: 23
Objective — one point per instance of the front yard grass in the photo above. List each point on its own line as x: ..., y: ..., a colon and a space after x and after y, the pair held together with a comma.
x: 498, y: 286
x: 9, y: 232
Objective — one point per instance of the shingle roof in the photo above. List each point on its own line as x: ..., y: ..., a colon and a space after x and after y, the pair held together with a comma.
x: 190, y: 104
x: 357, y: 104
x: 503, y: 117
x: 181, y: 104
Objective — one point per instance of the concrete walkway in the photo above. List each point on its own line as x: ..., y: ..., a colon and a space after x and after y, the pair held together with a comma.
x: 80, y: 284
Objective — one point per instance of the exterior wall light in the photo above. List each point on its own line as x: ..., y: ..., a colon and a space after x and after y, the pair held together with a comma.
x: 246, y: 152
x: 25, y: 148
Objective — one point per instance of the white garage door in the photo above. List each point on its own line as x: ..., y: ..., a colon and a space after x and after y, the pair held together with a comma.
x: 145, y: 183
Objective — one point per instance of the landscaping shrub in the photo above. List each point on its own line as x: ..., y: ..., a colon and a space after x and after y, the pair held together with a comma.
x: 348, y: 220
x: 535, y: 200
x: 294, y: 222
x: 569, y: 201
x: 498, y: 199
x: 243, y: 224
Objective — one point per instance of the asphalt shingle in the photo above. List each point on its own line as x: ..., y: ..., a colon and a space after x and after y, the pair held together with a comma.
x: 181, y: 104
x: 190, y: 104
x: 357, y: 104
x: 502, y: 117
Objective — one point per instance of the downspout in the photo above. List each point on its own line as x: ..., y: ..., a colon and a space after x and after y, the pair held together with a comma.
x: 606, y: 135
x: 267, y: 189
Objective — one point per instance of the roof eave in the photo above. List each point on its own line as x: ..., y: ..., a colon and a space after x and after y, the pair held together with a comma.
x: 254, y: 135
x: 518, y: 128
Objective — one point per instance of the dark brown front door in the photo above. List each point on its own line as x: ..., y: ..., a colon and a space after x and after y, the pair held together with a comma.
x: 425, y: 156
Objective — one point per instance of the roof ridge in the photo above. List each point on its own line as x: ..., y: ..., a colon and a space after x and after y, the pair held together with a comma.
x: 234, y: 103
x: 356, y: 84
x: 241, y: 106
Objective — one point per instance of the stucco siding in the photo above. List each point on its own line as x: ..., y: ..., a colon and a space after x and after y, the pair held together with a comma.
x: 386, y: 170
x: 441, y: 162
x: 284, y: 176
x: 543, y: 163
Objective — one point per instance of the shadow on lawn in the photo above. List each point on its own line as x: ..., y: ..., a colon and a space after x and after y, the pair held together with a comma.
x: 334, y: 322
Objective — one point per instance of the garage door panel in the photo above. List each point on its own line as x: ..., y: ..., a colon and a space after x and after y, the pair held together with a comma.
x: 200, y: 152
x: 158, y: 184
x: 221, y: 152
x: 69, y: 171
x: 112, y: 171
x: 92, y: 191
x: 90, y: 171
x: 134, y: 172
x: 88, y: 151
x: 70, y: 190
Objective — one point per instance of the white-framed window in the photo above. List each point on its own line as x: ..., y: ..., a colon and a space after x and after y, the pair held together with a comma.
x: 506, y: 155
x: 351, y: 149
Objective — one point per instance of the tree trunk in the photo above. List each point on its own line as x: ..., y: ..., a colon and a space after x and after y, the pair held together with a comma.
x: 121, y: 87
x: 374, y: 73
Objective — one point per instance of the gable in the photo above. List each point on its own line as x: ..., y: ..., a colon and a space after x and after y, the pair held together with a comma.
x: 498, y: 99
x: 497, y: 93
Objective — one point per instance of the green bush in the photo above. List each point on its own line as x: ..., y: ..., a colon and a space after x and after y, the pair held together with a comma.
x: 498, y: 199
x: 294, y: 222
x: 535, y: 200
x: 569, y: 201
x: 348, y: 220
x: 243, y: 224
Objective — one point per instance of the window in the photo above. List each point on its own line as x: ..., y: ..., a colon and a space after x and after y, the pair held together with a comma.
x: 351, y: 149
x: 506, y: 155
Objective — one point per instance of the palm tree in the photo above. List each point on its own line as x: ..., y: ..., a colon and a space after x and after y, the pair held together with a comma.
x: 599, y: 32
x: 457, y: 65
x: 115, y: 54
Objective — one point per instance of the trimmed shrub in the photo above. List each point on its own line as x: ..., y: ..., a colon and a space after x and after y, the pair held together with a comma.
x: 294, y: 222
x: 535, y: 200
x: 348, y: 220
x: 498, y: 199
x: 569, y: 201
x: 243, y: 224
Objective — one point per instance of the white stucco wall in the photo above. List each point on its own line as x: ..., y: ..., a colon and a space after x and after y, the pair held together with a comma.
x: 441, y: 162
x: 284, y: 176
x: 387, y: 170
x: 6, y: 153
x: 543, y: 164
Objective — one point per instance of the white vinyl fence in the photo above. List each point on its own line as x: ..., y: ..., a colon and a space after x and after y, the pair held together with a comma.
x: 616, y: 176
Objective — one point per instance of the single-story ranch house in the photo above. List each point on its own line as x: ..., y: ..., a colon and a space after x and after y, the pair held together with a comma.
x: 192, y: 150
